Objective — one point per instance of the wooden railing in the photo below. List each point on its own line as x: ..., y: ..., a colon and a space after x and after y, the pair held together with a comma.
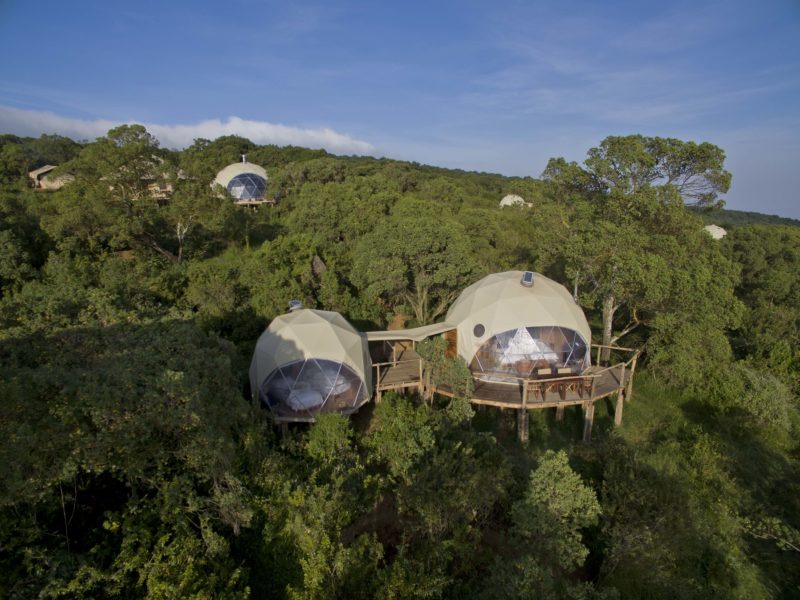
x: 584, y: 382
x: 601, y: 347
x: 390, y: 350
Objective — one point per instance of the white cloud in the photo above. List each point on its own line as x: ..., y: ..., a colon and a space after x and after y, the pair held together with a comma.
x: 34, y: 123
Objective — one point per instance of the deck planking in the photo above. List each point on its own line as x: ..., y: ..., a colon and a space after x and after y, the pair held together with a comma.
x: 405, y: 373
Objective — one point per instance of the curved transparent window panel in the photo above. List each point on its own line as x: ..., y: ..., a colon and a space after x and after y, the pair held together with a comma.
x: 529, y: 352
x: 247, y: 186
x: 307, y: 388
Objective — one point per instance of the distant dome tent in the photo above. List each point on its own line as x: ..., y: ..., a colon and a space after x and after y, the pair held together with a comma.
x: 513, y: 200
x: 311, y: 362
x: 715, y: 231
x: 509, y: 327
x: 246, y: 182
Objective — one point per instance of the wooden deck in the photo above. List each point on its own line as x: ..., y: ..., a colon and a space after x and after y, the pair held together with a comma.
x: 256, y: 202
x: 404, y: 369
x: 554, y: 392
x: 407, y: 372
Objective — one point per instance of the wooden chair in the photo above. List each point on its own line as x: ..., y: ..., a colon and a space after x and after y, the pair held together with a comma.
x: 534, y: 389
x: 585, y: 386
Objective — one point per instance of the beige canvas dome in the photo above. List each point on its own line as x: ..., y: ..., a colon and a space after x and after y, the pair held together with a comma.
x: 513, y: 200
x: 309, y: 362
x: 243, y: 180
x: 224, y: 177
x: 715, y: 231
x: 540, y: 324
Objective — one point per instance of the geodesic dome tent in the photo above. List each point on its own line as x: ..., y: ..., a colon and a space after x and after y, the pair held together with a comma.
x: 310, y: 362
x: 244, y: 181
x: 715, y: 231
x: 513, y: 200
x: 508, y: 330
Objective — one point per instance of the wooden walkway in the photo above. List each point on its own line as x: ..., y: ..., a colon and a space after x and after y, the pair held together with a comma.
x: 405, y: 370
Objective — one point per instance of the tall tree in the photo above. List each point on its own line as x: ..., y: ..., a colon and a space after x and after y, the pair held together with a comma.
x: 116, y: 202
x: 770, y: 288
x: 632, y: 249
x: 546, y: 543
x: 125, y: 161
x: 13, y: 163
x: 628, y: 164
x: 421, y: 261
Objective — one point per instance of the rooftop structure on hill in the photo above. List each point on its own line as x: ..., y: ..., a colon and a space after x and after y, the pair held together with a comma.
x: 43, y: 179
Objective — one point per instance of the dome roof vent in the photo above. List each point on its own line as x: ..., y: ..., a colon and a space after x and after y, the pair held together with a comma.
x: 526, y: 279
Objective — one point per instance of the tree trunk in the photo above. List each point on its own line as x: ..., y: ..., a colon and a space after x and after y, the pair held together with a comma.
x: 575, y: 286
x: 180, y: 233
x: 609, y: 308
x: 418, y: 299
x: 162, y: 251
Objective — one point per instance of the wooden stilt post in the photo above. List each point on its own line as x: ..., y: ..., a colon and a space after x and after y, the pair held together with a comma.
x: 618, y: 408
x: 522, y: 425
x: 588, y: 420
x: 377, y: 384
x: 629, y: 391
x: 284, y: 430
x: 522, y: 415
x: 560, y: 412
x: 421, y: 382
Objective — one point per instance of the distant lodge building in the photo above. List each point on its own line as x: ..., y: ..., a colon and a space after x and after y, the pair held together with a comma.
x: 246, y: 182
x: 158, y: 186
x: 160, y: 190
x: 526, y: 341
x: 42, y: 178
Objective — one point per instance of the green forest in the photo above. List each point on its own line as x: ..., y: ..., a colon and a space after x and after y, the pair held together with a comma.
x: 134, y: 464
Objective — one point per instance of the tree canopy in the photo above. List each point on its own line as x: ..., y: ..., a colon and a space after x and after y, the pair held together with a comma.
x: 135, y: 465
x: 628, y: 164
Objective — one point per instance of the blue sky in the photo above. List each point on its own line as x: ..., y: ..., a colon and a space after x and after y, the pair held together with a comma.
x: 497, y: 86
